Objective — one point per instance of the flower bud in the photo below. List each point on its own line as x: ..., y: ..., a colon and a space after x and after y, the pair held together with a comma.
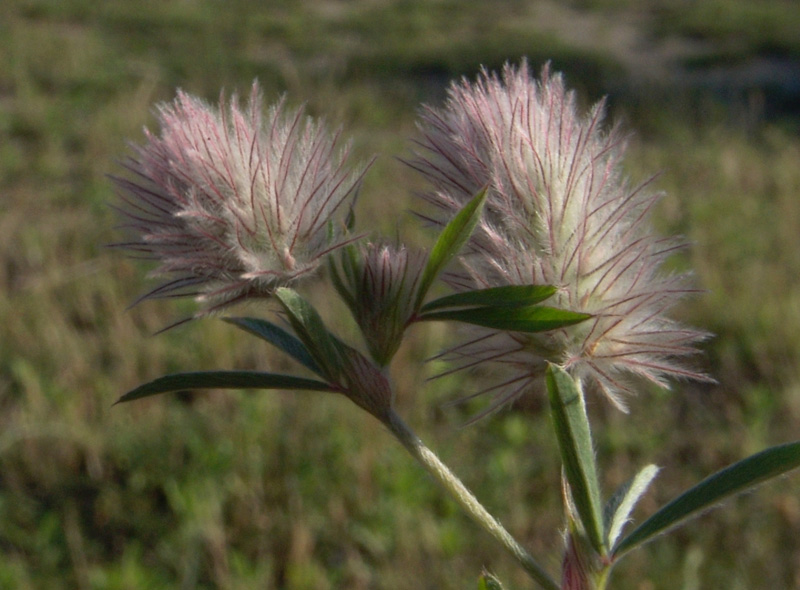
x: 379, y: 284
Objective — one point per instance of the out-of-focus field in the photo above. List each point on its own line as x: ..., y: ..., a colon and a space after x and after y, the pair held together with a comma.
x: 244, y: 490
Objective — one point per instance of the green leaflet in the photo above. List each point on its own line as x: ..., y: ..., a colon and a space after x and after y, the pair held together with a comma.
x: 732, y: 480
x: 530, y: 318
x: 453, y: 237
x: 509, y: 295
x: 222, y: 380
x: 311, y: 331
x: 621, y: 504
x: 575, y: 442
x: 279, y: 338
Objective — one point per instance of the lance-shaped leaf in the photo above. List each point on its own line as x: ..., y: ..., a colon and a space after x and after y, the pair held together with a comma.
x: 732, y: 480
x: 506, y: 296
x: 311, y: 331
x: 531, y: 318
x: 575, y: 442
x: 621, y: 504
x: 222, y: 380
x: 279, y: 338
x: 453, y: 237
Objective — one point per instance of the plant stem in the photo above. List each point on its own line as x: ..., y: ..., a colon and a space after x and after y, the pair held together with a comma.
x: 601, y: 578
x: 466, y: 499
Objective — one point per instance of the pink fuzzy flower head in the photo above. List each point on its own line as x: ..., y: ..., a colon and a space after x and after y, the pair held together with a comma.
x: 233, y: 203
x: 558, y: 212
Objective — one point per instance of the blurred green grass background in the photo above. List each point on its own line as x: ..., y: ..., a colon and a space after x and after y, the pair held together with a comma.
x: 271, y: 490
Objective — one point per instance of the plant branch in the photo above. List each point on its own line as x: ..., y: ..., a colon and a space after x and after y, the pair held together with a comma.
x: 466, y: 499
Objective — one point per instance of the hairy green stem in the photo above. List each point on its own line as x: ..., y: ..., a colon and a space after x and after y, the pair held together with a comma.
x: 601, y: 578
x: 450, y: 482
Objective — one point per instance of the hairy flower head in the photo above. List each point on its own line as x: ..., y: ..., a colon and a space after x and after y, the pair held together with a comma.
x: 558, y: 212
x: 233, y: 203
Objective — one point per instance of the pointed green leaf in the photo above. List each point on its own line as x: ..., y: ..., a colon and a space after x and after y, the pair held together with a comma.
x: 509, y: 295
x: 279, y: 338
x: 222, y: 380
x: 575, y: 442
x: 532, y: 318
x: 621, y: 504
x: 453, y: 237
x: 732, y: 480
x: 311, y: 331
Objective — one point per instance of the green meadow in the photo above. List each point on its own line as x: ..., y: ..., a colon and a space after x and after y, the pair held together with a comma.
x: 303, y: 491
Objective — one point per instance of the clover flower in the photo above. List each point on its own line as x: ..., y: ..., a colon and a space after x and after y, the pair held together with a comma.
x: 559, y: 211
x: 232, y: 203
